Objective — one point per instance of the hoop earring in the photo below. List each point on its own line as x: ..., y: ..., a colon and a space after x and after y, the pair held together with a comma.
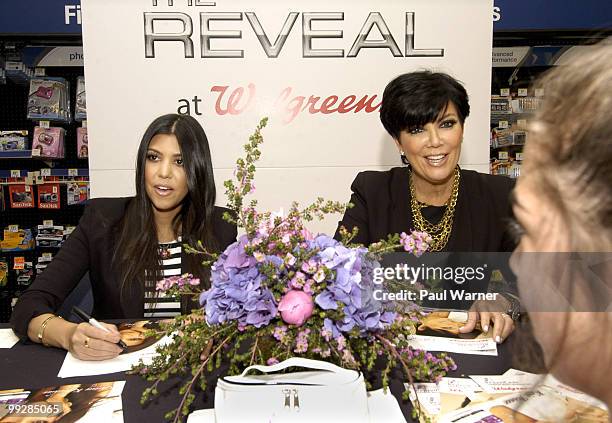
x: 404, y: 159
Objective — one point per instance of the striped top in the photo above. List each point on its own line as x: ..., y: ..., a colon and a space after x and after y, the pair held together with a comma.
x: 156, y: 304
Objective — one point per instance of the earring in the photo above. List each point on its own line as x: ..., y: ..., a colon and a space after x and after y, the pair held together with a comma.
x: 403, y: 158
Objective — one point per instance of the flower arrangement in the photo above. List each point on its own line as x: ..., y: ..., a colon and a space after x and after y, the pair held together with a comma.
x: 282, y: 291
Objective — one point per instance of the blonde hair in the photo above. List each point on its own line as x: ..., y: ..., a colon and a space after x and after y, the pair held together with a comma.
x: 569, y: 149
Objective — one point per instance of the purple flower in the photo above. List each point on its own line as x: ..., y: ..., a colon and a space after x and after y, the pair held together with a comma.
x: 290, y: 259
x: 352, y: 288
x: 309, y: 266
x: 416, y: 243
x: 298, y: 280
x: 236, y: 292
x: 301, y: 341
x: 279, y: 333
x: 234, y: 255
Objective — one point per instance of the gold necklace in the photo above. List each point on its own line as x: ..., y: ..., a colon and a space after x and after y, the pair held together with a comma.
x: 440, y: 232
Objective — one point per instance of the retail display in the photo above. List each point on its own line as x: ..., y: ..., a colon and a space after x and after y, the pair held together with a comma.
x: 19, y: 240
x: 80, y: 108
x: 82, y: 143
x: 21, y: 196
x: 50, y: 236
x: 49, y: 142
x: 48, y: 196
x: 3, y: 271
x: 43, y: 173
x: 18, y: 72
x: 25, y: 274
x: 509, y: 128
x: 49, y: 99
x: 77, y: 193
x: 42, y: 262
x: 14, y: 140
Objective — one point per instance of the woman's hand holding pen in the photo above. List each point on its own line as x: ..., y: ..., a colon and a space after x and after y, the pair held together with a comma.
x: 90, y: 343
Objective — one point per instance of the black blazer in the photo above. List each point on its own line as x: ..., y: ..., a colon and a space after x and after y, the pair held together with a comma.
x: 90, y: 249
x: 382, y: 207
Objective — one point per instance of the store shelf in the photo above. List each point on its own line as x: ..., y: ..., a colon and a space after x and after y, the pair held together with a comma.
x: 498, y: 147
x: 75, y: 172
x: 16, y: 154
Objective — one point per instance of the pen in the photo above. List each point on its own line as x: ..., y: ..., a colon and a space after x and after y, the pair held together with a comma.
x: 87, y: 318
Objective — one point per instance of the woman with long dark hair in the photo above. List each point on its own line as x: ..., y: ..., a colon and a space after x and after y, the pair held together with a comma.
x: 128, y: 244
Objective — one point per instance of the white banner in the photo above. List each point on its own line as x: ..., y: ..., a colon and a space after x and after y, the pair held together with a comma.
x: 317, y: 69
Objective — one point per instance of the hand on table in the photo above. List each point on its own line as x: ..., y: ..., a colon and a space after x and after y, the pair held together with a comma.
x: 90, y: 343
x: 487, y: 312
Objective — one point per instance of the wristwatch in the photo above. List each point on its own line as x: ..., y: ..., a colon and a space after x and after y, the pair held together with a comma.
x: 514, y: 311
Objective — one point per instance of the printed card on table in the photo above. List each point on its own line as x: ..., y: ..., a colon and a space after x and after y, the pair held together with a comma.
x: 83, y: 403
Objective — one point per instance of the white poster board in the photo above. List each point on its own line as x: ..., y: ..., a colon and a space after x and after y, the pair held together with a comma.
x: 317, y: 69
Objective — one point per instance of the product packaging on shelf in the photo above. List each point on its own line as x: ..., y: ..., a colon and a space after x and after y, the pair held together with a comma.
x: 77, y: 193
x: 52, y: 236
x: 49, y: 196
x: 49, y: 99
x: 20, y: 240
x: 21, y: 196
x: 3, y: 271
x: 49, y: 142
x: 13, y: 140
x: 25, y: 275
x: 80, y: 109
x: 82, y: 145
x: 42, y: 262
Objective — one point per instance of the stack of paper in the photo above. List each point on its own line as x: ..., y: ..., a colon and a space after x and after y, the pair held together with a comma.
x: 505, y: 398
x: 72, y: 366
x: 7, y: 338
x: 483, y: 346
x: 95, y: 402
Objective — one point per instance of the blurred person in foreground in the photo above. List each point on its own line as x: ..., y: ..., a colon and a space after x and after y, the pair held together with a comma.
x: 563, y: 209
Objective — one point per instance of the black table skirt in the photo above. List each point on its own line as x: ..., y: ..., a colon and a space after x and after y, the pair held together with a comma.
x: 30, y: 365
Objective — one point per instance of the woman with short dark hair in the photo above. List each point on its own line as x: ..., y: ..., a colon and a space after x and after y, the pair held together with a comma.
x: 128, y: 244
x: 462, y: 210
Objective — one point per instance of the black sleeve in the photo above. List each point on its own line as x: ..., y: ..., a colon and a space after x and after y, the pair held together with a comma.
x: 52, y: 286
x: 225, y: 232
x: 508, y: 243
x: 357, y: 216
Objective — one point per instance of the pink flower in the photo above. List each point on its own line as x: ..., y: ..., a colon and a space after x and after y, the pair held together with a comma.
x: 320, y: 275
x: 272, y: 360
x: 259, y: 256
x: 290, y: 259
x: 309, y: 266
x: 298, y: 280
x: 279, y: 333
x: 306, y: 235
x: 296, y: 307
x: 341, y: 341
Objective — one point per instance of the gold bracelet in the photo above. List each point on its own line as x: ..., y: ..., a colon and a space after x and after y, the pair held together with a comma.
x: 43, y: 326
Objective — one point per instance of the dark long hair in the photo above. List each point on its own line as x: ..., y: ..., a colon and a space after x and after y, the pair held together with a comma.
x: 137, y: 248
